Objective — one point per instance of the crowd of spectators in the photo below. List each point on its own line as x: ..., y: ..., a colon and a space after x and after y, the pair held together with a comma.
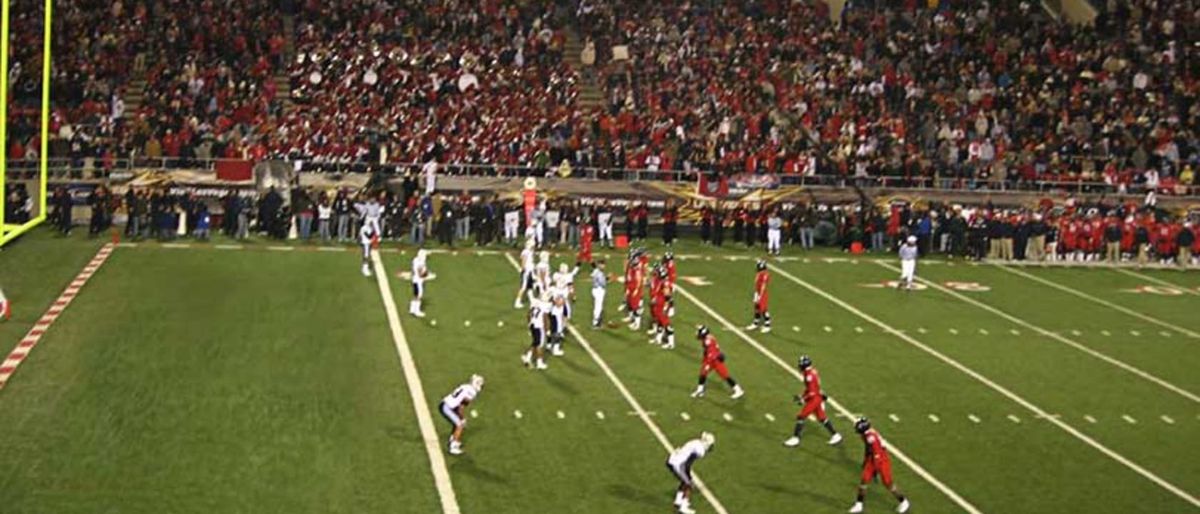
x: 951, y: 93
x: 972, y: 93
x: 455, y: 80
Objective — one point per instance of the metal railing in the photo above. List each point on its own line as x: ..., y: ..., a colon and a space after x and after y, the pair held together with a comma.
x: 95, y: 168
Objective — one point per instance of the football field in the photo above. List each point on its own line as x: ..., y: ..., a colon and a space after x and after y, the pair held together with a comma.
x: 259, y: 378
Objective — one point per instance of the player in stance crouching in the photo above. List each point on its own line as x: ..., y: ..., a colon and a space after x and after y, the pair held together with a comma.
x: 876, y: 463
x: 761, y: 315
x: 453, y: 408
x: 908, y: 263
x: 419, y: 274
x: 680, y: 463
x: 368, y: 238
x: 714, y: 360
x: 813, y: 400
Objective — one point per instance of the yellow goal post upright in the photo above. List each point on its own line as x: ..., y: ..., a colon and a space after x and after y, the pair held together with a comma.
x: 8, y: 229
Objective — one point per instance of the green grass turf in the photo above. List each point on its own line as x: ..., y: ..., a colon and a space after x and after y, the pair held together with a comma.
x: 34, y: 270
x: 204, y: 382
x: 187, y: 380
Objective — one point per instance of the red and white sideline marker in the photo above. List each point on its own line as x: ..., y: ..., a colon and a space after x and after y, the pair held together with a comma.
x: 18, y: 354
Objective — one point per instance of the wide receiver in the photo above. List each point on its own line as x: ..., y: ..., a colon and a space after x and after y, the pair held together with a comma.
x: 453, y: 408
x: 680, y: 463
x: 714, y: 360
x: 761, y: 315
x: 813, y: 401
x: 876, y: 463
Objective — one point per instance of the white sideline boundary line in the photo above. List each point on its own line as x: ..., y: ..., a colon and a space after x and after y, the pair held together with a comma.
x: 437, y: 461
x: 1159, y: 281
x: 27, y: 343
x: 1060, y: 338
x: 637, y: 407
x: 892, y: 448
x: 1038, y: 411
x: 1101, y: 301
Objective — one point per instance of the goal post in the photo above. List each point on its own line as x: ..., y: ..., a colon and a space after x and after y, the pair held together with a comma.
x: 10, y: 228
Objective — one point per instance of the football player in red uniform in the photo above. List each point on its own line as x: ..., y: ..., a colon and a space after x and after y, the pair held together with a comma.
x: 660, y: 301
x: 585, y: 245
x: 714, y: 360
x: 668, y: 264
x: 876, y: 464
x: 636, y: 290
x: 761, y: 315
x: 813, y: 401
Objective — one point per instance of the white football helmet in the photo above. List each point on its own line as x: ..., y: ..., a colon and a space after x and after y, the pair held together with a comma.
x: 563, y: 268
x: 912, y: 240
x: 708, y: 439
x: 477, y: 382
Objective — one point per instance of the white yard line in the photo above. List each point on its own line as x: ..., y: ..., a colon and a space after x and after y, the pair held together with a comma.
x: 35, y: 334
x: 1038, y: 411
x: 1102, y: 301
x: 433, y: 447
x: 1159, y: 281
x: 1062, y: 339
x: 633, y: 402
x: 892, y: 448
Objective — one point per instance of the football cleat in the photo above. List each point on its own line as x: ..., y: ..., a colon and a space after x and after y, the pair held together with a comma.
x: 557, y: 351
x: 526, y: 359
x: 792, y: 442
x: 835, y: 439
x: 752, y: 326
x: 366, y: 270
x: 541, y: 364
x: 686, y: 509
x: 738, y: 392
x: 857, y: 508
x: 699, y: 392
x: 766, y: 330
x: 668, y: 346
x: 903, y: 507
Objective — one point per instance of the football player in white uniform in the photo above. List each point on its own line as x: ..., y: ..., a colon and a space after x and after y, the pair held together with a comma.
x: 908, y: 263
x: 680, y: 463
x: 453, y: 408
x: 527, y: 266
x: 419, y: 274
x: 558, y: 320
x: 366, y: 238
x: 565, y: 279
x: 538, y: 309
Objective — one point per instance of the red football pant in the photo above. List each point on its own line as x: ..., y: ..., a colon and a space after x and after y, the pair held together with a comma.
x: 883, y: 470
x: 815, y: 406
x: 718, y: 366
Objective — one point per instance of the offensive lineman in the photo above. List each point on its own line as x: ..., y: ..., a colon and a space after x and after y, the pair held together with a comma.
x: 908, y: 263
x: 680, y: 464
x: 813, y: 400
x: 453, y: 408
x: 761, y: 314
x: 419, y: 274
x: 714, y: 360
x: 876, y: 463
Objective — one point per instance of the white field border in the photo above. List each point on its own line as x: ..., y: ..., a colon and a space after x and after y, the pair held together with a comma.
x: 1060, y: 338
x: 1159, y: 281
x: 1037, y: 411
x: 1101, y: 301
x: 895, y: 450
x: 437, y: 461
x: 35, y: 334
x: 637, y: 406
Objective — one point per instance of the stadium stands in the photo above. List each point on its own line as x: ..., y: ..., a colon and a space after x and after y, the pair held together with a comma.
x: 964, y: 95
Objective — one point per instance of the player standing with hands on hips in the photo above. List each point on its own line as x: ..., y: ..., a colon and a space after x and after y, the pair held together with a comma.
x: 908, y: 263
x: 761, y: 314
x: 876, y: 463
